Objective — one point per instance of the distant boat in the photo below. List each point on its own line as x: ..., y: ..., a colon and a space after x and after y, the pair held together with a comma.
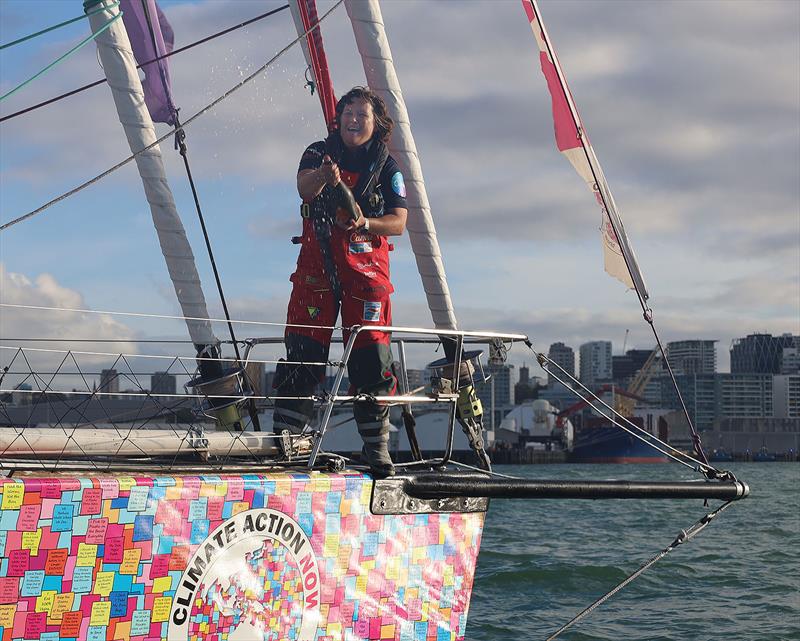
x: 720, y: 454
x: 764, y: 456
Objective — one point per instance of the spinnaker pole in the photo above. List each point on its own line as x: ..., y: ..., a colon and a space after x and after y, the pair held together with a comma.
x: 117, y: 60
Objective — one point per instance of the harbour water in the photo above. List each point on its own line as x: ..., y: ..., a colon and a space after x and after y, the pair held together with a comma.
x: 542, y: 562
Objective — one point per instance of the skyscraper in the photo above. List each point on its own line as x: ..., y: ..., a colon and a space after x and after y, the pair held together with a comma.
x: 692, y: 357
x: 109, y: 381
x: 563, y: 356
x: 761, y: 353
x: 595, y: 363
x: 162, y: 383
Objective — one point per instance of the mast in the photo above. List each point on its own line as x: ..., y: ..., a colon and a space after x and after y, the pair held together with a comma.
x: 376, y: 57
x: 117, y: 60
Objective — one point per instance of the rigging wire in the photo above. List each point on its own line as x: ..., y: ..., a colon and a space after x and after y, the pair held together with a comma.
x: 174, y: 130
x: 683, y: 537
x: 156, y: 59
x: 590, y: 397
x: 57, y: 26
x: 63, y: 57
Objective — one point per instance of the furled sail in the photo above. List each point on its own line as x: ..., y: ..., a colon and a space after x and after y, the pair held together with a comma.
x: 382, y: 79
x: 572, y: 140
x: 304, y: 13
x: 151, y: 37
x: 117, y: 60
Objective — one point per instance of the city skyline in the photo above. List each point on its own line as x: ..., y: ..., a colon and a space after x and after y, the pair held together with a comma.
x: 677, y: 123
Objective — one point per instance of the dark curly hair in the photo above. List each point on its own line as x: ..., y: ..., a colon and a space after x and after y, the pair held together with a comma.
x: 383, y: 122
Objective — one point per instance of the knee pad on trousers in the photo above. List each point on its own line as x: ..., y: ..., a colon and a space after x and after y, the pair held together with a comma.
x: 370, y: 370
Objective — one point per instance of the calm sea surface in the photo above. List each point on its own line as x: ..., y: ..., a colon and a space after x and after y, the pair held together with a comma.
x: 543, y: 561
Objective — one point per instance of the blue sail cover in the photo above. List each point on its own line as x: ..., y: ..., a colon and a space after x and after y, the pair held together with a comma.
x: 156, y: 84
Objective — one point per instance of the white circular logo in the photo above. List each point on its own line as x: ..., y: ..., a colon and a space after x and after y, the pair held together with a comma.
x: 254, y: 578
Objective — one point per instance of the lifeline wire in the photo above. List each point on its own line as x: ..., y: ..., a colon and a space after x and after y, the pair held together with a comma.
x: 162, y: 57
x: 172, y: 131
x: 683, y: 537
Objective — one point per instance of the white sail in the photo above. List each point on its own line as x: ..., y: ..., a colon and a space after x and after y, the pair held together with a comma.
x: 376, y: 57
x: 119, y: 64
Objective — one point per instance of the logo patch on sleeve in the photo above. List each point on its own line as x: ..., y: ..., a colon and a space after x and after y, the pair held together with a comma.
x: 372, y: 311
x: 313, y: 312
x: 398, y: 186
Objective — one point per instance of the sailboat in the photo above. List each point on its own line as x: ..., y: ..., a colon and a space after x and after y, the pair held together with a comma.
x: 144, y: 528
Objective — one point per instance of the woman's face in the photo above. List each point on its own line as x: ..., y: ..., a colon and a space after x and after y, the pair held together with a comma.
x: 357, y: 123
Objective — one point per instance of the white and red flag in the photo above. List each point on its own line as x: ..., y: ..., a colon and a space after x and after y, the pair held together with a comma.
x: 573, y: 142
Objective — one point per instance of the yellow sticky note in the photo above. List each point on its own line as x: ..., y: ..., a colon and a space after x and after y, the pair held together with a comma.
x: 173, y: 492
x: 331, y: 545
x: 62, y: 602
x: 322, y: 484
x: 162, y: 584
x: 126, y: 483
x: 7, y: 613
x: 387, y: 631
x: 239, y: 506
x: 101, y: 611
x: 282, y: 487
x: 31, y: 541
x: 161, y: 608
x: 44, y: 602
x: 12, y: 495
x: 87, y: 555
x: 392, y: 569
x: 130, y: 561
x: 103, y: 583
x: 361, y: 584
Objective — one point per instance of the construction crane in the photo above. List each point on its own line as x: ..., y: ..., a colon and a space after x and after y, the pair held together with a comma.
x: 625, y: 403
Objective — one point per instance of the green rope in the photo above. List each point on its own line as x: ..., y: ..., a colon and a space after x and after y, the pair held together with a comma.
x: 58, y: 26
x: 70, y: 52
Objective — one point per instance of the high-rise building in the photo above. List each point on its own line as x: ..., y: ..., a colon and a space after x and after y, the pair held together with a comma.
x: 699, y: 393
x: 109, y: 381
x: 564, y: 356
x: 595, y: 363
x: 496, y: 392
x: 624, y: 367
x: 761, y: 353
x: 786, y: 396
x: 744, y: 395
x: 692, y: 357
x: 163, y: 383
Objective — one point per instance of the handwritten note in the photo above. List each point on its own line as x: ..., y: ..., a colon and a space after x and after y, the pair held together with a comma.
x: 92, y: 501
x: 130, y: 561
x: 96, y: 532
x: 13, y: 494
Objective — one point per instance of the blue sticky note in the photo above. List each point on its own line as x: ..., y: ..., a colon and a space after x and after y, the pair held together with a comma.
x: 123, y: 582
x: 199, y: 531
x: 96, y: 633
x: 137, y: 501
x: 165, y: 544
x: 62, y: 518
x: 8, y: 520
x: 332, y: 501
x: 140, y: 623
x: 303, y: 502
x: 370, y: 545
x: 3, y: 539
x: 119, y: 604
x: 32, y: 582
x: 306, y: 521
x: 80, y: 525
x: 198, y: 509
x: 143, y: 528
x: 333, y: 523
x: 82, y: 580
x: 258, y: 498
x: 52, y: 584
x: 49, y: 636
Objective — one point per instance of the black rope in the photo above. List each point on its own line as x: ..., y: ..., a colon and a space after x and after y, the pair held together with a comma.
x: 156, y: 59
x: 180, y: 144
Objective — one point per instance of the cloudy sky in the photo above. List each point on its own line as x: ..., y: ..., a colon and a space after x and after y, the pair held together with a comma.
x: 693, y: 109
